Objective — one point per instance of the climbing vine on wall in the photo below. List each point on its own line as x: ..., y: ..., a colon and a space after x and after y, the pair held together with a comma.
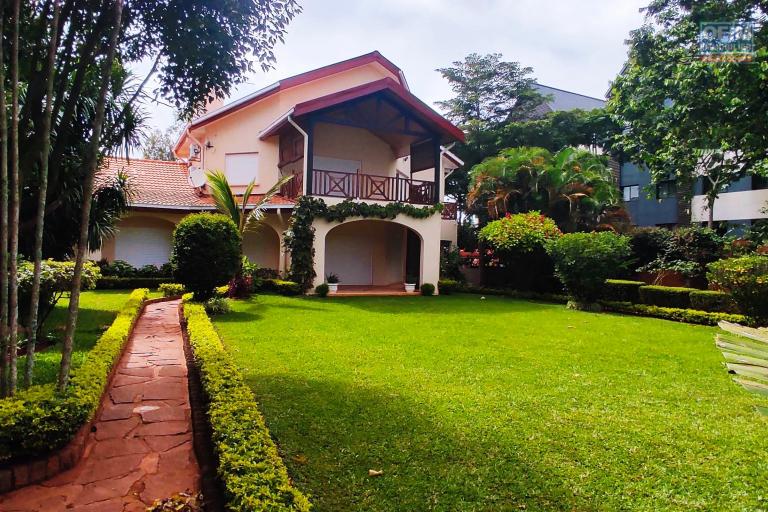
x: 300, y: 238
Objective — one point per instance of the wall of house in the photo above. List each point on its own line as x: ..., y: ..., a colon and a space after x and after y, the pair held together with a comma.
x: 428, y: 230
x: 239, y: 132
x: 367, y: 252
x: 349, y: 143
x: 645, y: 211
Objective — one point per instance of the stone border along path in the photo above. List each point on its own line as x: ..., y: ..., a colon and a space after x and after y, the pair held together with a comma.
x: 141, y: 447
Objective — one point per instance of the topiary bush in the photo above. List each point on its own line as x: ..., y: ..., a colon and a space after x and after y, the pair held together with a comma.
x: 206, y: 252
x: 746, y: 279
x: 447, y: 286
x: 171, y: 289
x: 713, y: 301
x: 321, y: 290
x: 583, y: 261
x: 427, y: 289
x: 666, y: 296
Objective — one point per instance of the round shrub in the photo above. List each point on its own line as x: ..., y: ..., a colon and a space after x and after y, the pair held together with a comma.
x: 522, y: 232
x: 746, y: 279
x: 321, y: 290
x: 427, y: 289
x: 583, y: 261
x: 206, y: 252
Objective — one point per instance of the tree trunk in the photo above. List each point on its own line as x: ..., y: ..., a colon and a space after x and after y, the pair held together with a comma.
x: 13, y: 228
x: 3, y: 223
x: 91, y: 163
x: 711, y: 211
x: 34, y: 303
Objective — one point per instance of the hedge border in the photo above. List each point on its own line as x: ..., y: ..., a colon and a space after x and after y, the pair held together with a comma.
x: 253, y: 475
x: 691, y: 316
x: 40, y: 420
x: 128, y: 283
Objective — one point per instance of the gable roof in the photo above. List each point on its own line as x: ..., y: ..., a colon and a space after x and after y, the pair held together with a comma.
x: 161, y: 184
x: 300, y: 79
x: 386, y: 86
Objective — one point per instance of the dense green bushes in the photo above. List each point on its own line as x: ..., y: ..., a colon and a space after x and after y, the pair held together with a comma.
x: 679, y: 315
x: 322, y: 290
x: 249, y: 465
x: 713, y: 301
x: 622, y: 290
x: 427, y: 289
x: 746, y: 279
x: 206, y: 252
x: 666, y: 296
x: 130, y: 283
x: 685, y: 251
x: 447, y: 286
x: 120, y: 268
x: 38, y: 420
x: 171, y: 289
x: 583, y: 261
x: 282, y: 287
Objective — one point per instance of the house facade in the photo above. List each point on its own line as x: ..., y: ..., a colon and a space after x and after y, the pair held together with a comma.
x: 350, y: 131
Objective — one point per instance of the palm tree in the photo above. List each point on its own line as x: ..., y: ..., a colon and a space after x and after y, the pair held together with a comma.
x: 246, y: 217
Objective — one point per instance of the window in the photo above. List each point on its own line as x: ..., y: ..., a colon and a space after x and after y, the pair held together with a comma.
x: 630, y: 192
x: 241, y: 168
x: 666, y: 189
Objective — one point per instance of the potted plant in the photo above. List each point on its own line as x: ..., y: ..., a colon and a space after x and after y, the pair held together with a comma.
x: 410, y: 283
x: 333, y: 282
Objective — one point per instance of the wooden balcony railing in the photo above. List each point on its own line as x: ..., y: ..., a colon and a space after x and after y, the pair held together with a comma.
x: 449, y: 211
x: 293, y: 188
x: 369, y: 186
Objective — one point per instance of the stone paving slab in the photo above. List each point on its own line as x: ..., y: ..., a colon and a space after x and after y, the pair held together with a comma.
x: 141, y: 447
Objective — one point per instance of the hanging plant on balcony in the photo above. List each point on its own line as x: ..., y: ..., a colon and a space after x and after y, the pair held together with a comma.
x: 300, y: 237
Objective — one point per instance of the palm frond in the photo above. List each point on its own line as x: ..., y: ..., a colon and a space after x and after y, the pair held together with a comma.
x: 223, y: 197
x: 256, y: 213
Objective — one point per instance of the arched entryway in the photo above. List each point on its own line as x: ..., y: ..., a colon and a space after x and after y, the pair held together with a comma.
x: 372, y: 253
x: 262, y: 246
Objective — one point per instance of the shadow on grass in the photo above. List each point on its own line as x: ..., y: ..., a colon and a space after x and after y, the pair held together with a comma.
x: 332, y: 433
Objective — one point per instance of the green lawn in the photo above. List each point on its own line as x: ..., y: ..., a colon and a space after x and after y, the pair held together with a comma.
x: 497, y: 405
x: 97, y: 311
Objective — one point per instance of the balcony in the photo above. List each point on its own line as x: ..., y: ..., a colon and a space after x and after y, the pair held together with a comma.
x: 363, y: 186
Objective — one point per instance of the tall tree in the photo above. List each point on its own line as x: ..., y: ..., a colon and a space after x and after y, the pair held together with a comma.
x: 41, y: 195
x: 4, y: 197
x: 13, y: 228
x: 684, y: 116
x: 488, y: 93
x: 158, y: 144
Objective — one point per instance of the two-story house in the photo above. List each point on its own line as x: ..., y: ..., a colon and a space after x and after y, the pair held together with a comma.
x: 350, y: 130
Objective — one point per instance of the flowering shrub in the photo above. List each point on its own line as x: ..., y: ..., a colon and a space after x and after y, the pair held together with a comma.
x: 746, y: 278
x: 522, y: 232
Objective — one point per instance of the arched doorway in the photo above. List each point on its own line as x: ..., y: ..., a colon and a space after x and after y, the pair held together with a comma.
x: 372, y: 253
x: 262, y: 246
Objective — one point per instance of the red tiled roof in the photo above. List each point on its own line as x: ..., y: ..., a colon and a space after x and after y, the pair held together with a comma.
x: 163, y: 184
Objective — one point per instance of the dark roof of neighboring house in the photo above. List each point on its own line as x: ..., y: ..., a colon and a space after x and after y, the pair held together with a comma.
x: 164, y: 184
x: 560, y: 100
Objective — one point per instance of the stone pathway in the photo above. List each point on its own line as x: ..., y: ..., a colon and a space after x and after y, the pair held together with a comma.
x: 141, y: 448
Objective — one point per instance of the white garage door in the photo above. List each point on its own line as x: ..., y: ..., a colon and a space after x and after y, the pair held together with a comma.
x: 141, y: 246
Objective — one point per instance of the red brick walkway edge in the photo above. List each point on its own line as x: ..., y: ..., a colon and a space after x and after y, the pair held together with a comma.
x: 20, y: 474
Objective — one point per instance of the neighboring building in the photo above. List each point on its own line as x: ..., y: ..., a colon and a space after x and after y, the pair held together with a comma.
x: 658, y: 206
x: 743, y: 202
x: 561, y: 100
x: 351, y: 130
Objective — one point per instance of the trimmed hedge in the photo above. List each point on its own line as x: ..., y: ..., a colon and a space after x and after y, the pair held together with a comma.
x: 249, y: 466
x: 621, y: 290
x: 447, y: 286
x: 38, y: 420
x: 171, y: 289
x: 666, y: 296
x: 516, y: 294
x: 691, y: 316
x: 131, y: 283
x: 282, y: 287
x: 713, y: 301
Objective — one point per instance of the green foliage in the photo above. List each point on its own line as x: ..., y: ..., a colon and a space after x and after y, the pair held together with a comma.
x: 427, y: 289
x: 120, y: 268
x: 714, y: 301
x: 221, y: 291
x: 448, y: 286
x: 686, y: 250
x: 666, y: 296
x: 690, y: 316
x: 332, y: 278
x: 686, y: 117
x: 574, y: 187
x: 206, y: 252
x: 450, y: 265
x: 283, y: 287
x: 179, y: 502
x: 520, y: 233
x: 171, y: 289
x: 649, y: 244
x: 217, y: 306
x: 300, y: 238
x: 38, y: 420
x: 249, y: 466
x: 321, y: 290
x: 130, y: 283
x: 583, y: 261
x: 158, y: 144
x: 746, y: 279
x: 620, y: 290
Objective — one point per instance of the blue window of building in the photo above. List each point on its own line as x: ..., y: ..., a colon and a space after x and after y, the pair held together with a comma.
x: 630, y: 192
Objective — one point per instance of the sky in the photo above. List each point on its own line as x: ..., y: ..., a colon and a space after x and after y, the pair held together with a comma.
x: 576, y: 45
